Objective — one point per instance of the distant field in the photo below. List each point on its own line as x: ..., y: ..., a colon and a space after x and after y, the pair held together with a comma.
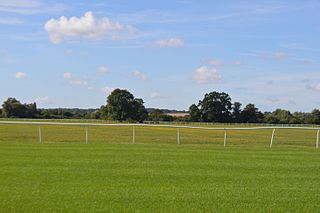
x: 159, y: 135
x: 111, y: 174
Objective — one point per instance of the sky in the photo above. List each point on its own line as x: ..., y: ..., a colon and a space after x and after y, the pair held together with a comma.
x: 169, y: 52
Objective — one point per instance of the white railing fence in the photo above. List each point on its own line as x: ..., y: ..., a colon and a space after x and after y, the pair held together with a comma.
x: 178, y: 127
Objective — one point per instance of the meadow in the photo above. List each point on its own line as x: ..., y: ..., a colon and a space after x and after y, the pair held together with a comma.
x: 110, y: 174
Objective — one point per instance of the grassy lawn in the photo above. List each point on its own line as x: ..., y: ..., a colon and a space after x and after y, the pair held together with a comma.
x: 157, y: 178
x: 156, y: 175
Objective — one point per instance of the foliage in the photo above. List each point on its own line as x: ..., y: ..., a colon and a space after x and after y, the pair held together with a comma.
x: 215, y: 107
x: 251, y: 114
x: 12, y: 108
x: 122, y: 106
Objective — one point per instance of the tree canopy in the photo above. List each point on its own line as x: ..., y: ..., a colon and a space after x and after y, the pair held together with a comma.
x: 121, y: 106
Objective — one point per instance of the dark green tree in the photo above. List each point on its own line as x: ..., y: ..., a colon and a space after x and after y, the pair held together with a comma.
x: 280, y: 116
x: 251, y: 114
x: 121, y: 106
x: 195, y: 114
x: 236, y: 112
x: 12, y: 108
x: 215, y: 107
x: 315, y: 116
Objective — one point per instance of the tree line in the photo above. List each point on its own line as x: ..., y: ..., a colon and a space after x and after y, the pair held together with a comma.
x: 123, y: 106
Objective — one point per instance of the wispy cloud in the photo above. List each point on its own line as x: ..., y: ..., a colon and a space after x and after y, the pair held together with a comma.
x: 170, y: 42
x: 77, y: 81
x: 42, y: 100
x: 280, y: 56
x: 21, y: 75
x: 10, y: 21
x: 103, y: 69
x: 157, y: 95
x: 30, y: 7
x: 140, y: 75
x: 215, y: 62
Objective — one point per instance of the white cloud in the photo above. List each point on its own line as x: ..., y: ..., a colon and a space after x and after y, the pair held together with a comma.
x: 103, y: 69
x: 171, y: 42
x: 140, y: 75
x: 10, y: 21
x: 215, y: 62
x: 206, y: 75
x: 42, y: 100
x: 29, y: 7
x: 315, y: 87
x: 75, y: 80
x: 107, y: 90
x: 156, y: 95
x: 280, y: 55
x: 85, y: 27
x: 21, y: 75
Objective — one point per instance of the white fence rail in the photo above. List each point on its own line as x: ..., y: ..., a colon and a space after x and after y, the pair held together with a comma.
x: 225, y: 129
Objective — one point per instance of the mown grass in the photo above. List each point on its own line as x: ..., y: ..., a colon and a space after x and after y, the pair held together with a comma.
x: 156, y: 175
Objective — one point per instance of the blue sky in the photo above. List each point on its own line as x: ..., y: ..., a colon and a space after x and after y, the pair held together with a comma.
x: 170, y: 53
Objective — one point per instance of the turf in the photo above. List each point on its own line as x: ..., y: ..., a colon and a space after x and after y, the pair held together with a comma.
x: 110, y: 174
x: 70, y: 177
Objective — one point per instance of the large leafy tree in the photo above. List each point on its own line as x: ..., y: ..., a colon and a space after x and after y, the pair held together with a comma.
x: 13, y: 108
x: 121, y: 105
x: 195, y: 114
x: 251, y: 114
x: 215, y: 107
x: 236, y: 112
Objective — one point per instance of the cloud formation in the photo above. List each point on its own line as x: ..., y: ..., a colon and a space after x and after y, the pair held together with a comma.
x: 279, y: 56
x: 107, y: 90
x: 10, y: 21
x: 85, y: 27
x: 75, y: 80
x: 215, y: 62
x: 42, y: 100
x: 140, y: 75
x: 206, y: 75
x: 156, y: 95
x: 20, y: 75
x: 169, y: 43
x: 315, y: 87
x: 103, y: 69
x: 29, y: 7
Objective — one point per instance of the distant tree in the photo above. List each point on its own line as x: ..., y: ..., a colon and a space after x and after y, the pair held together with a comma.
x: 12, y: 108
x: 121, y: 105
x: 280, y: 116
x: 139, y: 111
x: 251, y: 114
x: 195, y: 114
x: 315, y: 116
x: 236, y: 112
x: 215, y: 107
x: 159, y: 115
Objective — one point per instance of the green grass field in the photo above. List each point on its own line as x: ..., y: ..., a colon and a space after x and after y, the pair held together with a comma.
x: 156, y: 175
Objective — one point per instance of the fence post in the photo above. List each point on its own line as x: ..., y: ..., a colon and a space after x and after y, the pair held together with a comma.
x: 317, y: 144
x: 86, y: 135
x: 225, y: 138
x: 133, y: 135
x: 178, y: 136
x: 40, y: 136
x: 271, y: 142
